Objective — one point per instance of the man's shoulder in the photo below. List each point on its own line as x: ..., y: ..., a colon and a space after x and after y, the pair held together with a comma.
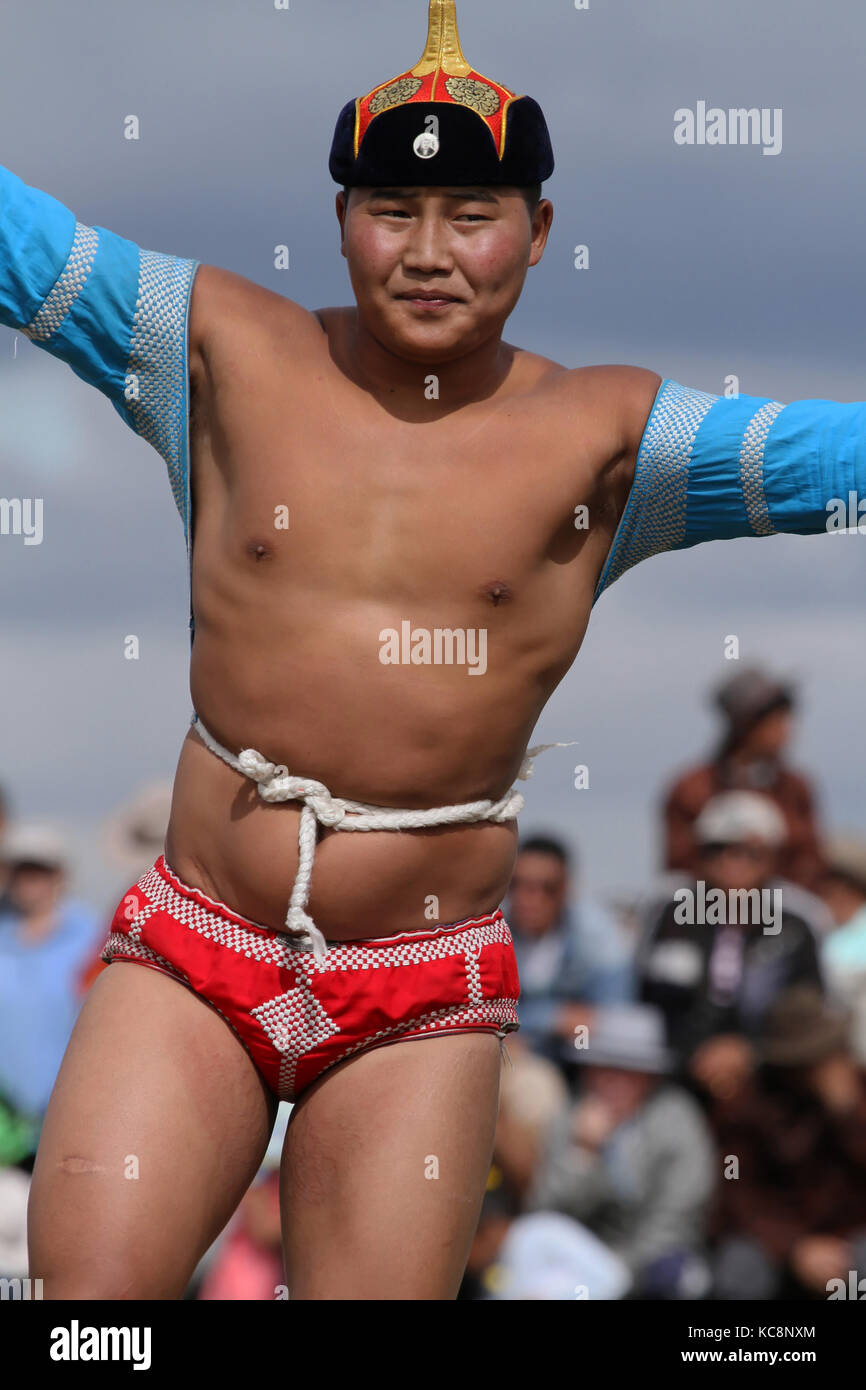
x: 224, y: 302
x: 619, y: 398
x: 626, y: 393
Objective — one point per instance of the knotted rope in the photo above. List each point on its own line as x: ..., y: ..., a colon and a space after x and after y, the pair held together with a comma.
x: 275, y: 783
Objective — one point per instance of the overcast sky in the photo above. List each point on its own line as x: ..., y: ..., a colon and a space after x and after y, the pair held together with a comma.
x: 704, y: 261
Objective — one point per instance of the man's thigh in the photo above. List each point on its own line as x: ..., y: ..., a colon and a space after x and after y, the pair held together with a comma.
x: 384, y: 1169
x: 156, y: 1126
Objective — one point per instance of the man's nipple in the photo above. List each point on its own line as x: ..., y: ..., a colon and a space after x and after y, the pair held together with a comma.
x: 497, y: 592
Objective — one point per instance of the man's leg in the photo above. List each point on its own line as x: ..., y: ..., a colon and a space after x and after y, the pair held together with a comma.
x: 384, y: 1168
x: 157, y: 1125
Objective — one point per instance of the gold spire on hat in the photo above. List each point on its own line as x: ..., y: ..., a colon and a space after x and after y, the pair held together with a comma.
x: 443, y: 42
x: 442, y: 75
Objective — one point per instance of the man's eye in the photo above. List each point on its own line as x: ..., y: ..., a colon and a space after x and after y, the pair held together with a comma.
x: 472, y: 217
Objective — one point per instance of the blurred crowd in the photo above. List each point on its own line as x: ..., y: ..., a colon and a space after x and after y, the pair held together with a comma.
x: 683, y: 1111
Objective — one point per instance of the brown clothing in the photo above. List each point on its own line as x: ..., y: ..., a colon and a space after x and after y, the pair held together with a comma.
x: 800, y: 859
x: 802, y: 1169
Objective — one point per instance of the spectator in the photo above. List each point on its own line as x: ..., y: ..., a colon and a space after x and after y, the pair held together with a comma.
x: 716, y: 979
x: 249, y: 1263
x: 758, y: 714
x: 45, y: 938
x: 132, y: 837
x: 843, y: 956
x: 547, y: 1256
x: 4, y: 872
x: 632, y: 1159
x: 481, y: 1279
x: 539, y: 1256
x: 245, y: 1262
x: 532, y: 1092
x: 792, y: 1216
x: 570, y: 954
x: 14, y: 1192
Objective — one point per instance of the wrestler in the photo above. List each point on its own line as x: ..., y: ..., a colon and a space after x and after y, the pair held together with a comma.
x: 342, y: 474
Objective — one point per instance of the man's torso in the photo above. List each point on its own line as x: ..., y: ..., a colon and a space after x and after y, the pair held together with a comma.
x: 459, y: 522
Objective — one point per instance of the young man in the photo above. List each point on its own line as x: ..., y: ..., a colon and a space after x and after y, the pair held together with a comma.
x: 401, y: 524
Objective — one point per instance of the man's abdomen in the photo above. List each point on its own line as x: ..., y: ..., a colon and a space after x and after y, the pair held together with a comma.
x: 225, y: 841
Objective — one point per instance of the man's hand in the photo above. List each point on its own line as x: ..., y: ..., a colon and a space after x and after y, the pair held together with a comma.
x: 593, y: 1121
x: 723, y: 1064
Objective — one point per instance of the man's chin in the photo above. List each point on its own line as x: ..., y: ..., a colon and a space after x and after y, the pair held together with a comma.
x: 438, y: 340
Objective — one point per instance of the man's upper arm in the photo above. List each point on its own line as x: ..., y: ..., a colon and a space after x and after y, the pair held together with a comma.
x: 115, y: 313
x: 226, y: 309
x: 219, y: 298
x: 635, y: 391
x: 714, y: 467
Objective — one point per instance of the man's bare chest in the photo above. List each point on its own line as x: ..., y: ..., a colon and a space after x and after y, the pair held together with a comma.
x: 292, y: 473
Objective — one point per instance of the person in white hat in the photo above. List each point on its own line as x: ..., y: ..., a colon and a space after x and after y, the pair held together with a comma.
x: 716, y: 951
x: 46, y: 939
x: 632, y: 1159
x: 843, y: 950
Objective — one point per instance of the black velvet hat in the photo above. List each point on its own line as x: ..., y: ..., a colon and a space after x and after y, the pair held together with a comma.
x: 441, y: 123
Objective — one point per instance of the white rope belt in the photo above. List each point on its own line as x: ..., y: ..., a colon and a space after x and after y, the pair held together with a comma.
x: 275, y: 784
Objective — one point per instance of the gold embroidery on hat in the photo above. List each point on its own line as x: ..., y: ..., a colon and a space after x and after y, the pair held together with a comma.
x: 395, y: 94
x: 478, y: 95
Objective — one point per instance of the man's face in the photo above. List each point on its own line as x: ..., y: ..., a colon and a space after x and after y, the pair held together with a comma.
x: 620, y: 1088
x: 437, y: 271
x: 770, y: 735
x: 748, y: 864
x: 537, y: 892
x: 34, y: 888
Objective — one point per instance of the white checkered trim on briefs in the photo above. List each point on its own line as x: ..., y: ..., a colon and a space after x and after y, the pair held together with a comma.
x: 473, y: 976
x: 163, y: 897
x: 489, y: 1013
x: 752, y: 467
x: 468, y: 941
x: 119, y: 945
x: 344, y: 956
x: 70, y: 283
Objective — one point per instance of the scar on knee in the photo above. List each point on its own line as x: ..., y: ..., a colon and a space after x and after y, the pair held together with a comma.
x: 73, y: 1164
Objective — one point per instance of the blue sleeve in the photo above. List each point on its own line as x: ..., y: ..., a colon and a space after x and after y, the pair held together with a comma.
x: 715, y: 467
x: 116, y: 314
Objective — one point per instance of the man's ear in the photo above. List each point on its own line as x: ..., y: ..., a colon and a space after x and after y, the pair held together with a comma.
x: 341, y: 218
x: 542, y: 219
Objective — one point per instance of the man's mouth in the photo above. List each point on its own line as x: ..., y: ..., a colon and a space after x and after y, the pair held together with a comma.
x: 429, y: 299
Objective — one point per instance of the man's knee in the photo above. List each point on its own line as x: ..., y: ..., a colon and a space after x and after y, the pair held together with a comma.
x: 105, y: 1281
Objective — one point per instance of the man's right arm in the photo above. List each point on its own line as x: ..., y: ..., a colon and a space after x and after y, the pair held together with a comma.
x: 115, y: 313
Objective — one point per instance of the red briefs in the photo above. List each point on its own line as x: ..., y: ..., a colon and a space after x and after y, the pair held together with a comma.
x: 297, y: 1014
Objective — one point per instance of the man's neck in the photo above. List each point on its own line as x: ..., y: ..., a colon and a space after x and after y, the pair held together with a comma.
x: 423, y: 391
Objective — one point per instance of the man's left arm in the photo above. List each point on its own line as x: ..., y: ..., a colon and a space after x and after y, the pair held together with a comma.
x: 713, y: 467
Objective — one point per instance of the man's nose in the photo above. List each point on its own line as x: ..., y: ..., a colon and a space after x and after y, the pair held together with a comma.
x: 427, y: 249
